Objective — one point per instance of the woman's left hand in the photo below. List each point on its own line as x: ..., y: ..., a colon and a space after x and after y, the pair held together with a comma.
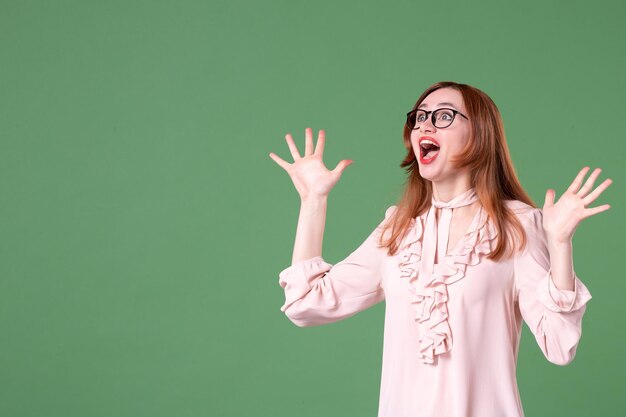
x: 561, y: 219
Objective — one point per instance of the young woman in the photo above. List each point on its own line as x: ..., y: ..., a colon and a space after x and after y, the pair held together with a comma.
x: 460, y: 261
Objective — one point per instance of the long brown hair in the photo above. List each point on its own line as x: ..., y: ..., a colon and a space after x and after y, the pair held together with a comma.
x: 486, y: 155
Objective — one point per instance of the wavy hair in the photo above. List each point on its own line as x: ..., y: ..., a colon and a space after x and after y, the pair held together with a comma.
x: 487, y: 158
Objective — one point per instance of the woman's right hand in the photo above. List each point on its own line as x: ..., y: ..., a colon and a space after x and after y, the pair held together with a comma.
x: 309, y: 174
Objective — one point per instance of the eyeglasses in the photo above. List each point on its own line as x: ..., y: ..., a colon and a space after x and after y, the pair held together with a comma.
x: 441, y: 118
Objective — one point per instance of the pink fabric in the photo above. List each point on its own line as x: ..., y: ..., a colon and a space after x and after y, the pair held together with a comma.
x: 452, y: 329
x: 430, y: 290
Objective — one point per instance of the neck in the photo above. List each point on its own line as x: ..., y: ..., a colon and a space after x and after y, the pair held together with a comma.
x: 446, y: 190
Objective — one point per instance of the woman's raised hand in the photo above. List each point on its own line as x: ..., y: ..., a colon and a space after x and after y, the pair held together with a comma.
x: 560, y: 220
x: 308, y: 173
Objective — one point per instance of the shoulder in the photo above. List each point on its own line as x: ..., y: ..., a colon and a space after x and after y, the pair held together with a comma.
x: 530, y: 217
x: 522, y: 210
x: 390, y: 211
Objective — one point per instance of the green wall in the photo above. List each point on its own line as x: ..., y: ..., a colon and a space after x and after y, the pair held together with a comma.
x: 143, y: 224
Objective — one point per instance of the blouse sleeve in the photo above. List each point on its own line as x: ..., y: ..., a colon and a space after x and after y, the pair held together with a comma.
x: 317, y: 292
x: 553, y: 315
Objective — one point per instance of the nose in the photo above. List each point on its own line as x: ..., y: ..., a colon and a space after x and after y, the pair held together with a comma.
x: 427, y: 125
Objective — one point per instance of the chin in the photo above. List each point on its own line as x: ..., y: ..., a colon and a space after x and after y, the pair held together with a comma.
x: 428, y: 174
x: 434, y: 173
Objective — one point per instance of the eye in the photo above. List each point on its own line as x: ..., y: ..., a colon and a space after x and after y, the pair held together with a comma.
x: 445, y: 115
x: 421, y: 116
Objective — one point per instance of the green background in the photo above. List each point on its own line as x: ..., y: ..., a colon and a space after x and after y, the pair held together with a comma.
x: 143, y: 224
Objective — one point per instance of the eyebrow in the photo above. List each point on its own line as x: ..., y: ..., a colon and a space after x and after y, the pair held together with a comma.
x: 440, y: 104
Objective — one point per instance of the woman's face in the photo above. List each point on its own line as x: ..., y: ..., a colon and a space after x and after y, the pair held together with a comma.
x: 450, y: 139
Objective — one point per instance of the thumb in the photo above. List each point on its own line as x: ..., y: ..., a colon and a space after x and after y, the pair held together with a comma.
x: 549, y: 200
x: 341, y: 166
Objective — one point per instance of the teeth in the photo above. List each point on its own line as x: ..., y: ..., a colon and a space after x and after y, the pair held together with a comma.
x: 428, y: 141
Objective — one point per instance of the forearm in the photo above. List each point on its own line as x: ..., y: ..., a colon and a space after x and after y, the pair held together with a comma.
x: 310, y: 230
x: 561, y: 263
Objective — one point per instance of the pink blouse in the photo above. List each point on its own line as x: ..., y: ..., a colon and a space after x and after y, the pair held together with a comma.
x: 452, y: 330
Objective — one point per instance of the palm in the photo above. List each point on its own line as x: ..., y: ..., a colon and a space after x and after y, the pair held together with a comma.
x: 311, y: 175
x: 308, y: 173
x: 560, y: 220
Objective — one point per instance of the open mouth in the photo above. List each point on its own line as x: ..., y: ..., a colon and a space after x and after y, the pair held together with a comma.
x: 428, y: 149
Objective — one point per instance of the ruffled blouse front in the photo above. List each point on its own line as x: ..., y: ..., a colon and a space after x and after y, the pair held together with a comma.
x: 429, y: 296
x: 452, y: 333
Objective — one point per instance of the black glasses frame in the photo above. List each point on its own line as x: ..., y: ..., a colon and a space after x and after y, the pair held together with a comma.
x: 432, y: 117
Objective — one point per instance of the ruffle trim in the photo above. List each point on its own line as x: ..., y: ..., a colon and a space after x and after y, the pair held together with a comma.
x: 429, y: 299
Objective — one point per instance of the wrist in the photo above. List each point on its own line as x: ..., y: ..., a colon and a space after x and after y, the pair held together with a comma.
x: 555, y: 240
x: 314, y: 199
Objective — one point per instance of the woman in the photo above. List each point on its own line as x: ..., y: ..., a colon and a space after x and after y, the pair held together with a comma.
x: 460, y: 261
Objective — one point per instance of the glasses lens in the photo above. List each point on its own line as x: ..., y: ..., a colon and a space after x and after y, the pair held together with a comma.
x: 415, y: 118
x: 443, y: 118
x: 421, y: 117
x: 410, y: 120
